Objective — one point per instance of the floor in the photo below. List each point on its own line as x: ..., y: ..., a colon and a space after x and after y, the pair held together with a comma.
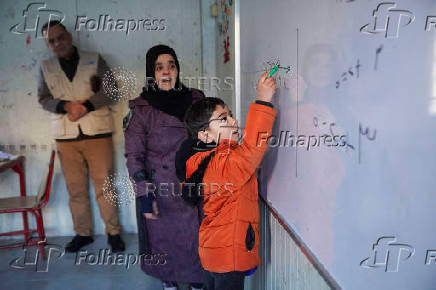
x: 88, y: 269
x: 92, y: 270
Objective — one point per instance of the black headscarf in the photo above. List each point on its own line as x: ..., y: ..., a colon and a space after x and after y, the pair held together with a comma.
x: 174, y: 102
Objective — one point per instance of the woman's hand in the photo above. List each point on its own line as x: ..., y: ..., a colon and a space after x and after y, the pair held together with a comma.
x: 153, y: 215
x: 265, y: 88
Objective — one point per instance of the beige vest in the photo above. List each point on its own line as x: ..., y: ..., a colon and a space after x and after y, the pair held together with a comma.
x: 95, y: 122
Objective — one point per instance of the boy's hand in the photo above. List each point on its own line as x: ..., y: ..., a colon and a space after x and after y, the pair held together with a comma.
x: 265, y: 88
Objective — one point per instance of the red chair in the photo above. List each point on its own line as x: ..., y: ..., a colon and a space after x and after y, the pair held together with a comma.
x: 32, y: 204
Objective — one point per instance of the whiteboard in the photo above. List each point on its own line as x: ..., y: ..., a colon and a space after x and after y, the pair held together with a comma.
x: 365, y: 72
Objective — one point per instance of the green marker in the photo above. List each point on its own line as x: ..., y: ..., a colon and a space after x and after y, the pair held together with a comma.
x: 273, y: 70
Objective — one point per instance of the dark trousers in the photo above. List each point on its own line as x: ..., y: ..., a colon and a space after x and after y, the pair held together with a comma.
x: 225, y: 281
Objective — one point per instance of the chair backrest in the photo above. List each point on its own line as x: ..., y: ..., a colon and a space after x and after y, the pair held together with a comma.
x: 44, y: 188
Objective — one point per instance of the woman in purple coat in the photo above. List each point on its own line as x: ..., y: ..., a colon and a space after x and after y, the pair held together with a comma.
x: 167, y: 227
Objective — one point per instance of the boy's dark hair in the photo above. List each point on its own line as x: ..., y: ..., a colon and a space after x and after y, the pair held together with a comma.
x: 51, y: 24
x: 198, y: 115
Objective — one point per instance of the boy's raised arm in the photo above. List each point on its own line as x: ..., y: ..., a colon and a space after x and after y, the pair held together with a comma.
x: 260, y: 119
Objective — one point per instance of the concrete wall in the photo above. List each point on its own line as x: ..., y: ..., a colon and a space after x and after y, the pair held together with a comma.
x: 24, y: 125
x: 225, y: 68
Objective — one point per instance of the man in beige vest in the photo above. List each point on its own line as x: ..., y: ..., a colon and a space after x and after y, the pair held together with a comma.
x: 69, y: 88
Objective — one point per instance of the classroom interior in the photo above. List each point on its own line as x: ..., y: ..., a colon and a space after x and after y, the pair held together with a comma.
x: 350, y: 212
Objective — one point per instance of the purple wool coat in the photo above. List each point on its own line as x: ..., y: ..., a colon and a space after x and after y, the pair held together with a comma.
x: 170, y: 243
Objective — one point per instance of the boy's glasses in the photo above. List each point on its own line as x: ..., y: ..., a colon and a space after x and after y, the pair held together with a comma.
x: 222, y: 120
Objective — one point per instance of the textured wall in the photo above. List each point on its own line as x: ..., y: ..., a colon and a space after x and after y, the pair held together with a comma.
x: 225, y: 52
x: 24, y: 126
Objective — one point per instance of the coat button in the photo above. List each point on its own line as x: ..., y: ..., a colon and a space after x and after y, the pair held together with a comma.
x: 164, y: 167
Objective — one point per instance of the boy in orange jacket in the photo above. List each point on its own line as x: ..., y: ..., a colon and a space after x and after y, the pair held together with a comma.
x: 219, y: 174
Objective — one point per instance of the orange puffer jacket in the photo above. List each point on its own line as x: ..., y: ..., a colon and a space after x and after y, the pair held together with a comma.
x: 229, y: 233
